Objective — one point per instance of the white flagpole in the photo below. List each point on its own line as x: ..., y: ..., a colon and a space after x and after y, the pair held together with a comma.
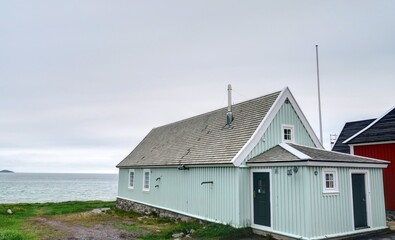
x: 319, y: 94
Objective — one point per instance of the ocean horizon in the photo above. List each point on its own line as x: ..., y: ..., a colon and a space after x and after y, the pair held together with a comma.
x: 57, y: 187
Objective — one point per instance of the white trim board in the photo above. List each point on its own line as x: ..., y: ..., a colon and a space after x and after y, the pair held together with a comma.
x: 295, y: 152
x: 371, y: 143
x: 267, y: 120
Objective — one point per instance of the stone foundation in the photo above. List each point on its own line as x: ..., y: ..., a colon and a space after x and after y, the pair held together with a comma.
x: 128, y: 205
x: 390, y: 215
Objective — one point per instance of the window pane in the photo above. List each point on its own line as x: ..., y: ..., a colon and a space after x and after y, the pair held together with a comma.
x: 131, y: 179
x: 287, y: 134
x: 146, y: 180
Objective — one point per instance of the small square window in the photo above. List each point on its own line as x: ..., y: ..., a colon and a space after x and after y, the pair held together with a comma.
x: 146, y: 179
x: 329, y: 178
x: 131, y: 179
x: 287, y: 133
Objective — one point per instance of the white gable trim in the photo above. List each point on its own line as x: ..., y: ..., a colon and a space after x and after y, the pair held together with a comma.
x: 257, y: 135
x: 295, y: 152
x: 369, y: 126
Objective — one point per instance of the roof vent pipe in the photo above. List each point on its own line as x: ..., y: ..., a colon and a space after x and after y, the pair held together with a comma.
x: 229, y: 98
x: 229, y: 115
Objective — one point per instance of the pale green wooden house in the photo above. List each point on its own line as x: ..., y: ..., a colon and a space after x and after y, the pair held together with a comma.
x: 255, y: 164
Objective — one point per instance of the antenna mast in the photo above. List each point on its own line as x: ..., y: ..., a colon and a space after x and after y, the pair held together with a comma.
x: 319, y: 93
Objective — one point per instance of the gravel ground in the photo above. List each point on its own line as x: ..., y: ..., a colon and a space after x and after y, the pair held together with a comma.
x: 86, y: 226
x: 98, y: 225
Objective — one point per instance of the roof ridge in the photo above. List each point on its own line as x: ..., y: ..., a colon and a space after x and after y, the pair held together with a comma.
x: 344, y: 127
x: 294, y: 151
x: 369, y: 126
x: 217, y: 110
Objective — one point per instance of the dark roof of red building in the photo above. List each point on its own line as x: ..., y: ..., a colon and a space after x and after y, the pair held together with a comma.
x: 380, y: 130
x: 349, y: 129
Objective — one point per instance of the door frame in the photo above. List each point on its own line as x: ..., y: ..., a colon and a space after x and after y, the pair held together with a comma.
x: 253, y: 225
x: 368, y: 196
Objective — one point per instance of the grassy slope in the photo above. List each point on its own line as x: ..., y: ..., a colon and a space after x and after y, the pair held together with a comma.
x: 15, y: 227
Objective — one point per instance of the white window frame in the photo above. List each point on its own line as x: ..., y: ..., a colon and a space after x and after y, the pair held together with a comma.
x: 292, y: 128
x: 335, y: 188
x: 134, y: 178
x: 146, y: 189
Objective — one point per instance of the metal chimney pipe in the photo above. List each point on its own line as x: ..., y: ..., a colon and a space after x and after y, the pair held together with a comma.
x: 229, y: 98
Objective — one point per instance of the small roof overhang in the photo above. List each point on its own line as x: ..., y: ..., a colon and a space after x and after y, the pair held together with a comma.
x: 297, y: 155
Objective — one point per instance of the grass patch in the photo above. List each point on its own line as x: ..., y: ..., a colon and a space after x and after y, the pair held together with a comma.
x: 13, y: 226
x: 30, y: 222
x: 11, y: 235
x: 219, y: 231
x: 175, y: 227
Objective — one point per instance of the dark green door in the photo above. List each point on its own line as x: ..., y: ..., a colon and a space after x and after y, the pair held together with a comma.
x: 261, y: 196
x: 359, y: 200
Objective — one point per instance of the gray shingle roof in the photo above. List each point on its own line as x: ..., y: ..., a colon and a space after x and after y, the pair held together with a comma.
x: 324, y: 155
x: 275, y: 154
x: 201, y: 139
x: 280, y: 154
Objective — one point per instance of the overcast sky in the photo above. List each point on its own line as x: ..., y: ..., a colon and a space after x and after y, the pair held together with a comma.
x: 82, y: 82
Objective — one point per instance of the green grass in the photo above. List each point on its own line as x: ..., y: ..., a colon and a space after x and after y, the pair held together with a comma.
x: 202, y: 231
x: 176, y: 227
x: 11, y: 235
x: 21, y: 224
x: 13, y: 227
x: 219, y: 231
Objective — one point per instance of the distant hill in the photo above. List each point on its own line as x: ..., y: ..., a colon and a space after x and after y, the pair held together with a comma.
x: 6, y: 171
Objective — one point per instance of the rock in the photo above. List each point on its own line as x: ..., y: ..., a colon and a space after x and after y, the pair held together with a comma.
x: 192, y: 231
x: 100, y: 210
x: 141, y: 218
x: 177, y: 235
x: 9, y: 211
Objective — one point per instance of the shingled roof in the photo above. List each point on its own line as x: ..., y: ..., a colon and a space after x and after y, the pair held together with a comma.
x: 349, y: 129
x: 298, y: 153
x: 202, y: 139
x: 380, y: 130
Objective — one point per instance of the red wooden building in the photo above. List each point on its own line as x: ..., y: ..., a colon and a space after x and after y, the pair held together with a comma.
x: 373, y: 138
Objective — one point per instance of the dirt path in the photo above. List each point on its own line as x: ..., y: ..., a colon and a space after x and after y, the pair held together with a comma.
x: 98, y: 231
x: 85, y: 227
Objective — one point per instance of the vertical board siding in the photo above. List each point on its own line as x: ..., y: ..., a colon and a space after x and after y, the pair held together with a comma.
x: 384, y: 152
x: 288, y: 201
x: 300, y: 207
x: 182, y: 191
x: 377, y: 195
x: 272, y: 136
x: 245, y: 197
x: 331, y: 213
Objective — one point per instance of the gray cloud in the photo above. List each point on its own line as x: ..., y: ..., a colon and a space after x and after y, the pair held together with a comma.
x: 86, y: 81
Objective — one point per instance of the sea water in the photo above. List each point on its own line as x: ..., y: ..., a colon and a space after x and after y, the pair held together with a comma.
x: 56, y: 187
